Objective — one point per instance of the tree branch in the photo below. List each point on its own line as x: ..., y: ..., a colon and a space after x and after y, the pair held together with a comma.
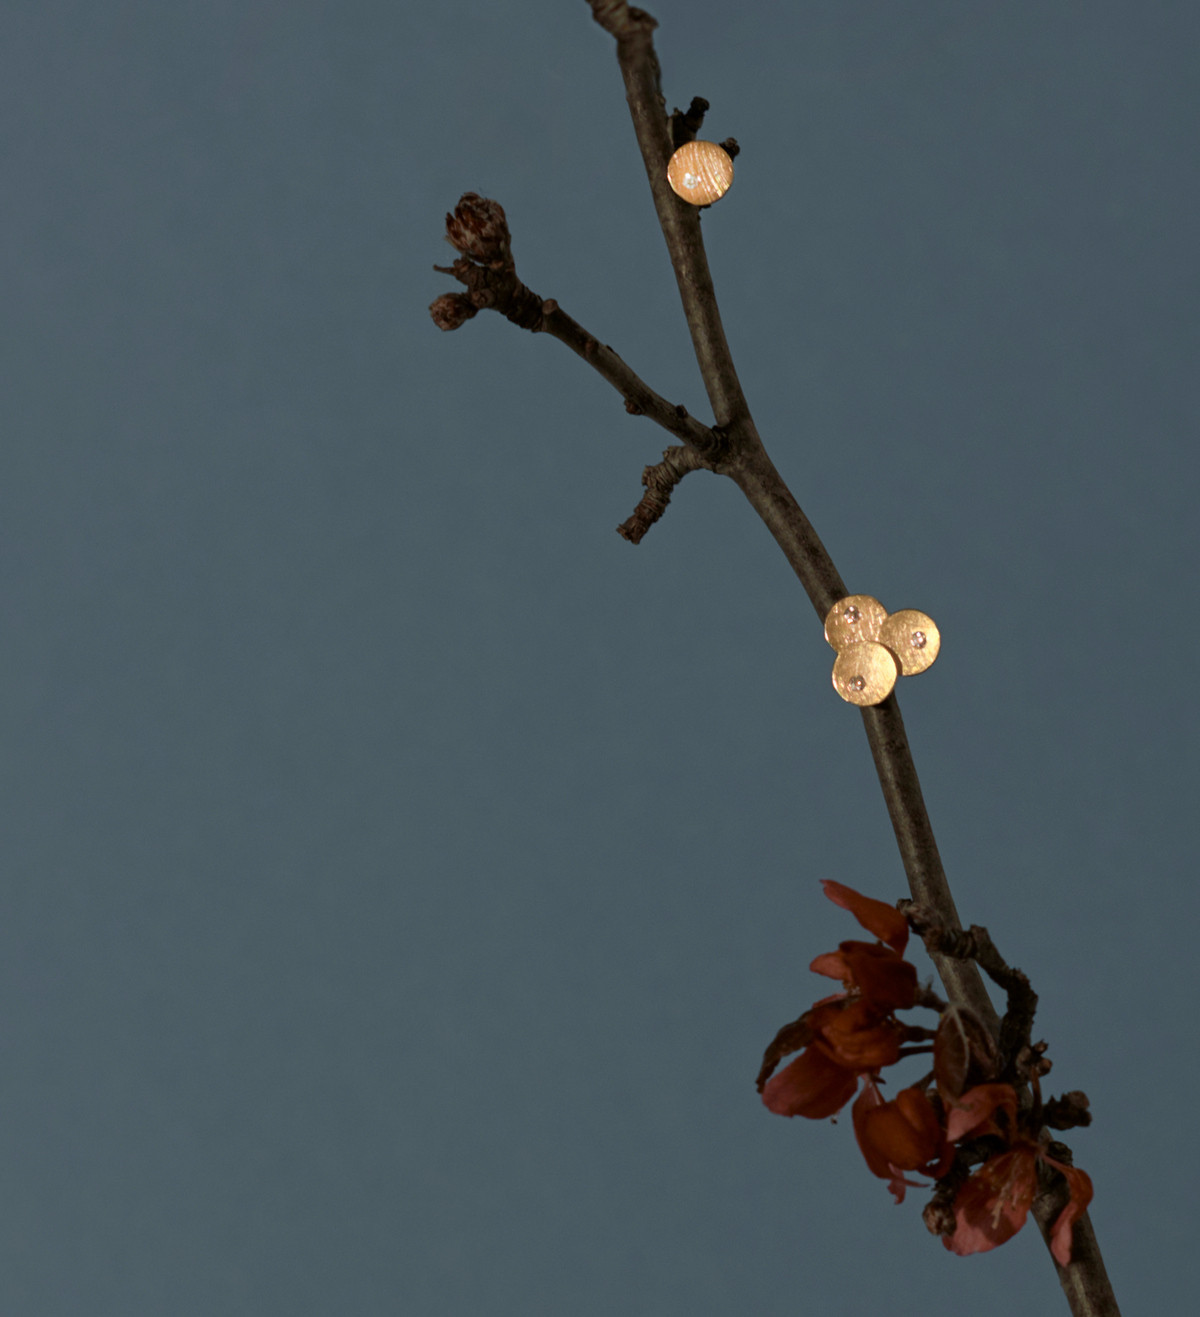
x: 733, y: 447
x: 1084, y: 1281
x: 747, y: 463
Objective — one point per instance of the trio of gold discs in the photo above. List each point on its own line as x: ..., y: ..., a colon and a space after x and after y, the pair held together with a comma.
x: 875, y: 647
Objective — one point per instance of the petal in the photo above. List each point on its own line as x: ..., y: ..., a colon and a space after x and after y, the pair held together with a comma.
x: 812, y: 1085
x: 791, y: 1038
x: 885, y: 921
x: 903, y: 1134
x: 1080, y: 1185
x: 974, y: 1112
x: 859, y: 1037
x: 924, y: 1135
x: 880, y: 974
x: 868, y: 1101
x: 832, y: 964
x: 964, y: 1051
x: 992, y: 1205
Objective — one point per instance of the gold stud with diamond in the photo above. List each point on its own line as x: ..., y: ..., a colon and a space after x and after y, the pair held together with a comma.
x: 700, y: 172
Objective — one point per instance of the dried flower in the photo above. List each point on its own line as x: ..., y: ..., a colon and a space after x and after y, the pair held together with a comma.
x: 961, y: 1109
x: 904, y: 1134
x: 992, y: 1205
x: 885, y: 921
x: 852, y: 1033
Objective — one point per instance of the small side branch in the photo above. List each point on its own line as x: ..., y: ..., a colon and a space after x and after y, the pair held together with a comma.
x: 660, y: 481
x: 640, y: 398
x: 478, y: 228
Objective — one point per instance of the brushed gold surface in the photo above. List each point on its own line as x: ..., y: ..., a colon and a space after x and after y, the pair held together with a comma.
x: 700, y: 172
x: 853, y: 620
x: 913, y: 637
x: 875, y: 648
x: 865, y: 672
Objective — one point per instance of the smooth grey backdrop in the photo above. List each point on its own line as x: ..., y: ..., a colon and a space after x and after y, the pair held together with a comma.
x: 403, y: 874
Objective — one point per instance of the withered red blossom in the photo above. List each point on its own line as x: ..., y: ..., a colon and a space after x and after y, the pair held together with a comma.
x: 813, y: 1085
x: 873, y: 971
x: 846, y: 1039
x: 850, y: 1034
x: 849, y: 1037
x: 904, y: 1134
x: 993, y: 1203
x: 858, y: 1033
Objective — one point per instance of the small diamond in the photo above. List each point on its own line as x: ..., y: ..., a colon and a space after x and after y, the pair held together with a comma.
x: 856, y: 683
x: 690, y: 180
x: 918, y: 640
x: 853, y: 614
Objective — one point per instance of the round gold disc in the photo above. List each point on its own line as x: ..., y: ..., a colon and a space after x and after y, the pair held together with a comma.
x: 700, y: 172
x: 857, y: 618
x: 865, y: 673
x: 913, y: 637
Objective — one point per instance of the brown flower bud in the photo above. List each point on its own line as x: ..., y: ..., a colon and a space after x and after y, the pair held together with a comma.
x: 451, y: 310
x: 479, y: 230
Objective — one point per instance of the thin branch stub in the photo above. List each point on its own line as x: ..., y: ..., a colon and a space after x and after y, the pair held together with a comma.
x: 660, y: 481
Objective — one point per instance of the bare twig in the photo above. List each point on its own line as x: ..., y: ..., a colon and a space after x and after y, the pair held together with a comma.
x: 640, y: 398
x: 478, y: 227
x: 660, y: 481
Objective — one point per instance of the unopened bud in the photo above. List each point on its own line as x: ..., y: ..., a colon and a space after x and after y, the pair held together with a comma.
x: 478, y: 229
x: 451, y: 310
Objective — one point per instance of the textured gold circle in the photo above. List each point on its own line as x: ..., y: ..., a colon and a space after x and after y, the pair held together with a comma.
x: 852, y: 620
x: 914, y: 638
x: 865, y: 673
x: 700, y: 172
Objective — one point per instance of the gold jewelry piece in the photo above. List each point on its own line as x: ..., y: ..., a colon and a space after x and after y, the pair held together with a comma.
x: 700, y: 172
x: 914, y: 639
x: 874, y: 648
x: 865, y: 673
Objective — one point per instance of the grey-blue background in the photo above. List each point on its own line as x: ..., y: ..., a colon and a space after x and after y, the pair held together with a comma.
x: 402, y: 873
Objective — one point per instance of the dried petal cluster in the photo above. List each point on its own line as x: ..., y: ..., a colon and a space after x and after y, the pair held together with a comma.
x: 962, y: 1113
